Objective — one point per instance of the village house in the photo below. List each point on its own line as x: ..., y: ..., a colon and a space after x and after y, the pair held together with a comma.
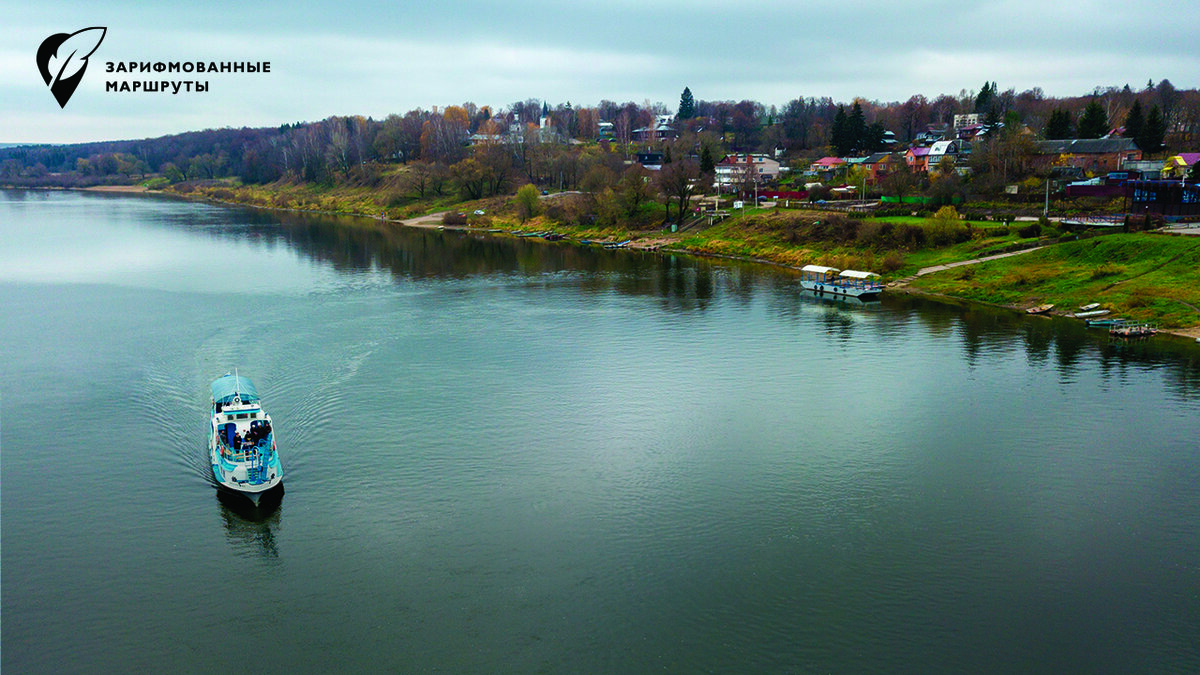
x: 734, y: 169
x: 652, y: 161
x: 917, y: 159
x: 1094, y: 156
x: 826, y: 164
x: 661, y: 128
x: 967, y: 120
x: 958, y: 151
x: 1180, y: 165
x: 880, y: 164
x: 932, y: 134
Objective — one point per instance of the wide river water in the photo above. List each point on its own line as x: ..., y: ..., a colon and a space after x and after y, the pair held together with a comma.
x: 512, y: 456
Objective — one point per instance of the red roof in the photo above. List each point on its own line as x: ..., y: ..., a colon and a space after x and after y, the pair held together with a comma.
x: 829, y: 161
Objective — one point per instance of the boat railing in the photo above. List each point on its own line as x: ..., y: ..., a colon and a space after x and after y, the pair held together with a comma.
x: 258, y: 454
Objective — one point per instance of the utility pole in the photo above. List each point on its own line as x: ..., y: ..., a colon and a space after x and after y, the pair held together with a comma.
x: 1046, y: 209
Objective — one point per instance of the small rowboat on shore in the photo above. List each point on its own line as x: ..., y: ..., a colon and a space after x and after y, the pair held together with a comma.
x: 1105, y: 322
x: 1089, y: 306
x: 1094, y: 312
x: 1134, y: 331
x: 1040, y: 309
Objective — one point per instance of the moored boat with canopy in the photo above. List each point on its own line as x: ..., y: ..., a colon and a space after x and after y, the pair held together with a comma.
x: 849, y: 283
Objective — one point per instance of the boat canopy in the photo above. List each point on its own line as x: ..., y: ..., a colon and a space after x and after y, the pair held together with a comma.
x: 226, y: 387
x: 856, y: 274
x: 818, y: 269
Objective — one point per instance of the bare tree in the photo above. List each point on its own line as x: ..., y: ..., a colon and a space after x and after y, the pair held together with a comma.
x: 677, y: 182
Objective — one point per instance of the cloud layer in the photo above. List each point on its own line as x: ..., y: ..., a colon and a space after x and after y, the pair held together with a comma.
x: 376, y: 58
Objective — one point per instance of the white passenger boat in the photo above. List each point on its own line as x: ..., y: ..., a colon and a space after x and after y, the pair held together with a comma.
x: 241, y: 441
x: 849, y: 283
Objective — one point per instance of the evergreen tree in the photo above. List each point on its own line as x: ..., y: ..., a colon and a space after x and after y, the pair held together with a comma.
x: 992, y: 118
x: 1058, y: 126
x: 1135, y: 121
x: 1155, y: 129
x: 667, y: 155
x: 873, y: 139
x: 986, y: 99
x: 707, y: 166
x: 687, y: 105
x: 856, y: 128
x: 1194, y: 174
x: 1094, y: 122
x: 841, y: 145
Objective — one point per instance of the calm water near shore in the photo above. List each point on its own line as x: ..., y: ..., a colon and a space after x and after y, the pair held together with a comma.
x: 511, y: 456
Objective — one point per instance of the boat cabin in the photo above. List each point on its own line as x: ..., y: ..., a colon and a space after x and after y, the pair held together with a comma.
x: 851, y: 283
x: 819, y: 273
x: 240, y: 425
x: 860, y: 280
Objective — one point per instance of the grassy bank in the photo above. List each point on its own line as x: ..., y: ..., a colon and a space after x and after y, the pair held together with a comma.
x: 386, y: 198
x: 1146, y: 277
x: 1140, y: 276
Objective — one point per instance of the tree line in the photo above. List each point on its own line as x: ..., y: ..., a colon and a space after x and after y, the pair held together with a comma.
x: 482, y: 151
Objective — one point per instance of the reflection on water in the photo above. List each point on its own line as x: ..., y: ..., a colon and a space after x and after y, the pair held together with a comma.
x: 552, y: 458
x: 251, y: 528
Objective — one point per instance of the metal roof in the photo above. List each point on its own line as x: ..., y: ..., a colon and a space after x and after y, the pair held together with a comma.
x: 225, y: 387
x: 1086, y: 146
x: 855, y: 274
x: 818, y: 269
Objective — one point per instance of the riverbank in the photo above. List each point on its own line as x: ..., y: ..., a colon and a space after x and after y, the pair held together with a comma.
x: 1142, y: 277
x: 117, y: 188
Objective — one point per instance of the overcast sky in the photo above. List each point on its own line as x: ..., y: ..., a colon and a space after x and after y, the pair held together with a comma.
x: 376, y: 58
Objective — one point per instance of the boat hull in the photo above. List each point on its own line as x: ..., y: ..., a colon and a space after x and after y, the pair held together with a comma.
x: 850, y: 291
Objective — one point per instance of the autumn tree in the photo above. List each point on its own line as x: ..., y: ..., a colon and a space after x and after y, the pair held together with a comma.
x: 633, y: 190
x: 469, y: 177
x: 426, y: 178
x: 677, y: 182
x: 901, y: 182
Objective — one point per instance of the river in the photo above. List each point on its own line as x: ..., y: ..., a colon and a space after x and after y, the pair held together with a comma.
x: 512, y: 456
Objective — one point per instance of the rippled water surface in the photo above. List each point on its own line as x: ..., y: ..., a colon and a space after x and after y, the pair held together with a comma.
x: 509, y: 456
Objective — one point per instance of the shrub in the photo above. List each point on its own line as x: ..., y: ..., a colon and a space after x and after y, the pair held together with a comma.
x: 893, y: 261
x: 1031, y: 230
x: 1107, y: 270
x: 454, y: 218
x: 947, y: 214
x: 527, y: 200
x: 1138, y: 298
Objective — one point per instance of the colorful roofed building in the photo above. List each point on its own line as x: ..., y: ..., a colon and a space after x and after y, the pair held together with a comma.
x: 827, y: 164
x: 917, y: 159
x: 1180, y: 165
x: 879, y: 165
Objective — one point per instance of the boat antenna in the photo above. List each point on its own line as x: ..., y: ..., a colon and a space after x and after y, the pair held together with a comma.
x: 237, y: 383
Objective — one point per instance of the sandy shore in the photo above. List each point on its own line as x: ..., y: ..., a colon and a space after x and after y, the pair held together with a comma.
x: 116, y: 188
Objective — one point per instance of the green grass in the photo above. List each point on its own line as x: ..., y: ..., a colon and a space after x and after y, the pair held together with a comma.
x: 1140, y: 276
x: 1144, y: 277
